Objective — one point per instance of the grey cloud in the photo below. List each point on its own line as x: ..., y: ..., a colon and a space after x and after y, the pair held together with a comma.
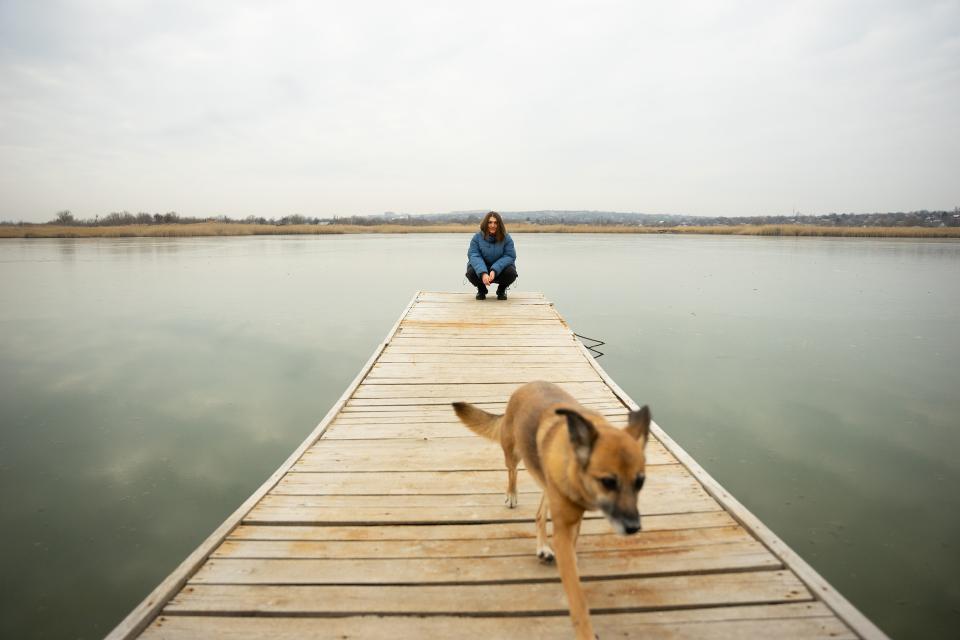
x: 324, y: 108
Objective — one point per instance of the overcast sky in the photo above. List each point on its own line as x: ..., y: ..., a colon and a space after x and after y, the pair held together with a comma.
x: 338, y: 108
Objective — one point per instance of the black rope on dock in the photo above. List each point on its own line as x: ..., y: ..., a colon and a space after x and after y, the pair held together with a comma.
x: 590, y: 347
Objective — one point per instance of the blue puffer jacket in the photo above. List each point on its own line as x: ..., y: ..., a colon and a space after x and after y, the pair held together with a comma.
x: 487, y: 255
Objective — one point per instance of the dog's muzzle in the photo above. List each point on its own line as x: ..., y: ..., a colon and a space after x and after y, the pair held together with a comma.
x: 631, y: 526
x: 625, y: 526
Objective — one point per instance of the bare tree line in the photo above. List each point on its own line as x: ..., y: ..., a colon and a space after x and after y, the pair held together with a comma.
x: 921, y: 218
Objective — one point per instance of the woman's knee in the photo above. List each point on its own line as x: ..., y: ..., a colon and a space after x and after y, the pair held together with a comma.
x: 508, y: 275
x: 473, y: 277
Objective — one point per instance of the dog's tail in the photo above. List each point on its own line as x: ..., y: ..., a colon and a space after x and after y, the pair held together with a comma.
x: 479, y: 421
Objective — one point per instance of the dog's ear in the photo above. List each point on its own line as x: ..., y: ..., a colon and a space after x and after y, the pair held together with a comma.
x: 582, y: 435
x: 638, y: 424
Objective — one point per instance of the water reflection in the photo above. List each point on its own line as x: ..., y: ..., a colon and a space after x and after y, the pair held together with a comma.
x: 147, y: 386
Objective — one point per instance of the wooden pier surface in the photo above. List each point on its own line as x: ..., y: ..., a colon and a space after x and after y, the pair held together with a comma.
x: 389, y: 520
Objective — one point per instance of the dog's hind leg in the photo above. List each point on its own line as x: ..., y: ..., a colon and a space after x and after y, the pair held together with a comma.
x: 544, y: 552
x: 512, y: 460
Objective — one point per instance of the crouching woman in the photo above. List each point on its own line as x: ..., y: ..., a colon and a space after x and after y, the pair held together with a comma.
x: 492, y: 257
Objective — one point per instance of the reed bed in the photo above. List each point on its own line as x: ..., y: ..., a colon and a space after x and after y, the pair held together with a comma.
x: 240, y: 229
x: 211, y: 229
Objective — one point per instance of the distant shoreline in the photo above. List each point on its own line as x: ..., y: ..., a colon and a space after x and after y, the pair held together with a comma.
x: 202, y: 229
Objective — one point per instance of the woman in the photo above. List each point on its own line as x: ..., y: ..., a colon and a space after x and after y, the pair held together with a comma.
x: 492, y: 257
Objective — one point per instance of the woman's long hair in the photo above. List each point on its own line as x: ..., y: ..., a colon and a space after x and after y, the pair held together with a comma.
x: 501, y: 231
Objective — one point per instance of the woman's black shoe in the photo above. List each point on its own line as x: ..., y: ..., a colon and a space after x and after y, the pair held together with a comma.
x: 501, y: 295
x: 481, y: 295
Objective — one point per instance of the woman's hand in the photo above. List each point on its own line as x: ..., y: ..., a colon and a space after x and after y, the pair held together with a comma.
x: 487, y: 279
x: 493, y: 274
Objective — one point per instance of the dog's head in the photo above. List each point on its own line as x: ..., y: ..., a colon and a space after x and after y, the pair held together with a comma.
x: 612, y: 464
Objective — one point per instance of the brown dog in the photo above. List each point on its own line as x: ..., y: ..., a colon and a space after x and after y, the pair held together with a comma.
x: 580, y: 461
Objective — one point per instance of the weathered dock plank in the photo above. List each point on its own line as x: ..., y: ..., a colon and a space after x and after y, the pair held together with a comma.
x: 472, y: 547
x: 443, y: 454
x: 500, y: 531
x: 388, y: 521
x: 491, y: 599
x: 803, y: 621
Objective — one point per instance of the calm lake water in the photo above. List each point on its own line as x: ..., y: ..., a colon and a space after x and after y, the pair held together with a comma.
x: 148, y: 386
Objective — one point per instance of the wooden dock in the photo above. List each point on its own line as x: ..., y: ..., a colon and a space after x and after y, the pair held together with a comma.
x: 389, y: 520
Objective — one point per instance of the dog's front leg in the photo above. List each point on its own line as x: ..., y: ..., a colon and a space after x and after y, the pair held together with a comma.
x: 564, y: 537
x: 544, y: 552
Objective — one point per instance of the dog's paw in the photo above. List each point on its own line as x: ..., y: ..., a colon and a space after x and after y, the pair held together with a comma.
x: 510, y: 500
x: 545, y: 555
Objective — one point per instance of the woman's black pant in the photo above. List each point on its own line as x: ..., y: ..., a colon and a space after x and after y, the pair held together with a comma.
x: 503, y: 279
